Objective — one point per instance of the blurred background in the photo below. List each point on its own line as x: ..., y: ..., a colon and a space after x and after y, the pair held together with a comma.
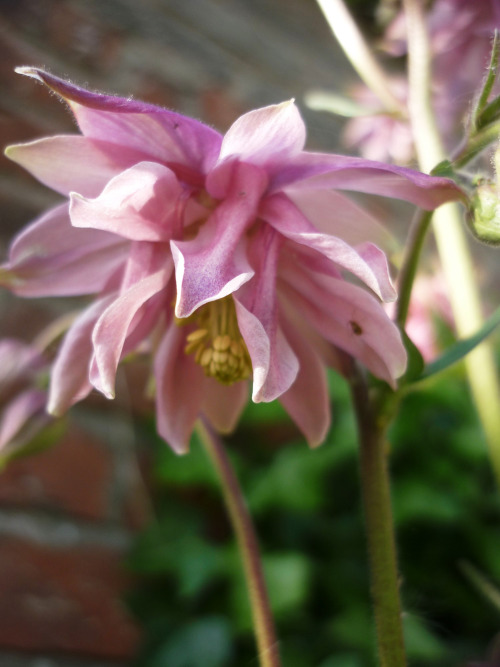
x: 113, y: 551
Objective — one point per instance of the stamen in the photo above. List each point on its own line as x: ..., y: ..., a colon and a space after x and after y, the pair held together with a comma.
x: 217, y: 344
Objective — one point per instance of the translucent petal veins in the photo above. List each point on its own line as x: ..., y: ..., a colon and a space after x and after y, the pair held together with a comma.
x: 217, y: 345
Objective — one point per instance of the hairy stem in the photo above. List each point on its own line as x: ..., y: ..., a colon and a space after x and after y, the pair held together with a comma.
x: 450, y: 235
x: 246, y: 538
x: 379, y: 526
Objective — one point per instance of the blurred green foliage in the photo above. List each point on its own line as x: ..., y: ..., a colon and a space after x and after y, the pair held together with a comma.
x: 191, y: 597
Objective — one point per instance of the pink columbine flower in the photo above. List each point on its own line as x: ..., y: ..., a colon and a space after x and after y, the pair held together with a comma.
x: 22, y: 399
x: 378, y: 135
x: 227, y: 254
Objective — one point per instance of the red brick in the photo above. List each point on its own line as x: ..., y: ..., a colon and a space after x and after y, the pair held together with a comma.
x: 73, y: 477
x: 64, y: 601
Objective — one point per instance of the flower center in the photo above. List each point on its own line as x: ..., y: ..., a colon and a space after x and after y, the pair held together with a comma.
x: 217, y: 344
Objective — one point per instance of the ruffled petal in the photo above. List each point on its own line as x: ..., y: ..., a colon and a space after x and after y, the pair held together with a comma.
x: 320, y: 170
x: 307, y: 401
x: 224, y: 404
x: 179, y: 390
x: 69, y: 381
x: 214, y: 264
x: 333, y: 213
x: 141, y: 204
x: 113, y: 326
x: 74, y: 163
x: 50, y: 258
x: 161, y: 134
x: 18, y: 412
x: 350, y: 318
x: 370, y: 266
x: 274, y: 363
x: 265, y: 136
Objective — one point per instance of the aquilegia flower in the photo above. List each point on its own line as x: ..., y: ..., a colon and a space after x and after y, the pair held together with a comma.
x: 225, y: 254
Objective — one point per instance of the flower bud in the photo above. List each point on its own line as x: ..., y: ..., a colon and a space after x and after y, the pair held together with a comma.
x: 484, y: 215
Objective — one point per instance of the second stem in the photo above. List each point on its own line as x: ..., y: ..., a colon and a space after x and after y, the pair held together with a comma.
x: 379, y: 526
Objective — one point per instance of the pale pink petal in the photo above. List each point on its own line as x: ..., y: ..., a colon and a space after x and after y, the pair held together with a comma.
x: 214, y: 264
x: 113, y: 325
x: 317, y: 171
x: 70, y: 373
x: 163, y: 135
x: 179, y: 390
x: 307, y: 401
x: 18, y: 412
x: 141, y: 203
x: 350, y: 318
x: 268, y: 135
x: 143, y: 259
x: 284, y: 216
x: 224, y: 404
x: 52, y: 235
x: 50, y: 258
x: 274, y: 363
x: 74, y: 163
x: 333, y: 213
x: 18, y: 360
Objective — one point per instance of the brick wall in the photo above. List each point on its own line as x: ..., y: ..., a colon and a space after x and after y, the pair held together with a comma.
x: 68, y: 516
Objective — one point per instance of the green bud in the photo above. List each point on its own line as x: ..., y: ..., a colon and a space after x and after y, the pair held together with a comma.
x: 484, y: 215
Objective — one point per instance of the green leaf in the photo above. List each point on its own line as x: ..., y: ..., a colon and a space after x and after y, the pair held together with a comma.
x: 288, y: 576
x: 203, y: 643
x: 415, y: 364
x: 445, y: 169
x: 421, y: 644
x: 460, y: 348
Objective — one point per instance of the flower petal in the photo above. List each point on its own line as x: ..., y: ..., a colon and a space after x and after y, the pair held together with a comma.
x: 307, y: 401
x: 18, y: 412
x: 333, y: 213
x: 161, y: 134
x: 264, y: 136
x: 113, y: 326
x: 179, y: 390
x: 214, y: 264
x: 350, y: 318
x: 141, y: 203
x: 317, y: 171
x: 70, y: 373
x: 51, y: 258
x: 18, y: 361
x: 274, y: 363
x: 371, y: 267
x: 74, y: 163
x: 224, y: 404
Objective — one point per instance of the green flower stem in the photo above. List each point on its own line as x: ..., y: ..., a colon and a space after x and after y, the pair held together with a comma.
x: 414, y: 245
x: 379, y: 525
x: 360, y: 55
x: 475, y: 144
x: 450, y: 236
x: 246, y: 538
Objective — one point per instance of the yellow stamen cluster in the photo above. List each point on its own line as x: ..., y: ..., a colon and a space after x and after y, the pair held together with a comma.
x: 217, y: 344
